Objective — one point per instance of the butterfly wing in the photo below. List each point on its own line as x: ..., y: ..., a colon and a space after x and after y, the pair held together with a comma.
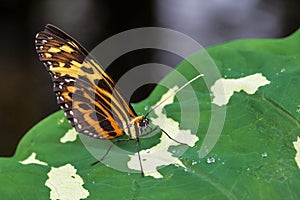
x: 84, y: 91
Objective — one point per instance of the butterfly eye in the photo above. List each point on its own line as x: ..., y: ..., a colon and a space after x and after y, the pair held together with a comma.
x: 144, y: 123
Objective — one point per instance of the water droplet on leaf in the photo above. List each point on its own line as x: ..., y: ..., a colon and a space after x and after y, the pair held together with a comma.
x: 210, y: 160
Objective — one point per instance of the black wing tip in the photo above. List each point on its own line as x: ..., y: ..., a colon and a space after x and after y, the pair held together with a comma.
x: 50, y: 26
x: 51, y: 30
x: 54, y: 29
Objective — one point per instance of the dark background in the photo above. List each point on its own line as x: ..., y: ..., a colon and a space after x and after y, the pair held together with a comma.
x: 25, y: 86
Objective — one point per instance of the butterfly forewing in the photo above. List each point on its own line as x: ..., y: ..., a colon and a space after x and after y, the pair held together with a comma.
x: 88, y: 96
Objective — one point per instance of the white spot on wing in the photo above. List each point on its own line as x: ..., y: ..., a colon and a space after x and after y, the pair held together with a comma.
x: 69, y: 80
x: 65, y: 184
x: 75, y: 120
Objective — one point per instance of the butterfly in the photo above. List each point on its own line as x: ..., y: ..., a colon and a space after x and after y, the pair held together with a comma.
x: 88, y: 96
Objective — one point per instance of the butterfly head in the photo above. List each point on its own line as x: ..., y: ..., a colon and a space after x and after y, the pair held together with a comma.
x: 141, y: 121
x: 144, y: 122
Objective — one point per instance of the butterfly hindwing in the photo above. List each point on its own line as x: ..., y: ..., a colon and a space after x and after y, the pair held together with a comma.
x: 84, y: 91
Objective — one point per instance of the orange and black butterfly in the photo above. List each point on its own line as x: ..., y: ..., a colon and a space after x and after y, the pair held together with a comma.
x: 85, y: 92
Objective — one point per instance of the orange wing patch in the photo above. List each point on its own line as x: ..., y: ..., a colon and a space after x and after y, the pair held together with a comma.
x: 83, y: 89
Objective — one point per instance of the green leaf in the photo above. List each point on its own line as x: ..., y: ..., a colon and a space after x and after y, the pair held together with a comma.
x: 254, y: 157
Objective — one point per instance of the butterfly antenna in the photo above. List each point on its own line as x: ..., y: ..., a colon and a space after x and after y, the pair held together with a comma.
x: 174, y: 93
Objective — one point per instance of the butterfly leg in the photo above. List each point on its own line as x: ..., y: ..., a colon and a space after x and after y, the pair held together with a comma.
x: 139, y: 156
x: 108, y: 150
x: 172, y: 138
x: 154, y: 129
